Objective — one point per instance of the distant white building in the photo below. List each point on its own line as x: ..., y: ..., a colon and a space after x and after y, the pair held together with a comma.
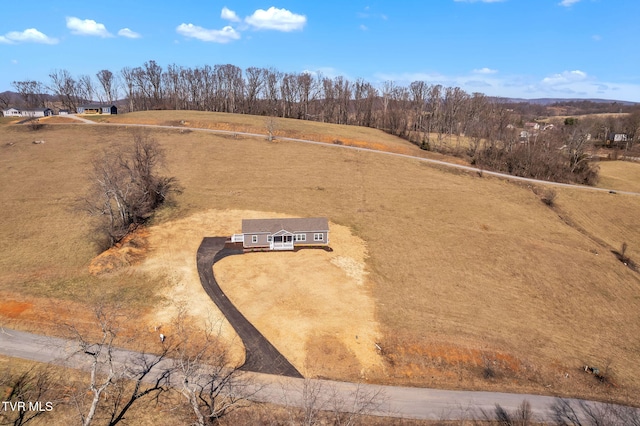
x: 11, y: 112
x: 37, y: 112
x: 27, y: 112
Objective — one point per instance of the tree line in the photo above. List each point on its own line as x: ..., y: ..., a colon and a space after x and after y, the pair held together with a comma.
x: 425, y: 114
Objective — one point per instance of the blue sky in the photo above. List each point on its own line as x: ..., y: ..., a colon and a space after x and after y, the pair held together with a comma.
x: 513, y: 48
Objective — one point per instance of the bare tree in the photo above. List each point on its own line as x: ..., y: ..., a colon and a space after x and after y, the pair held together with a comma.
x: 583, y: 413
x: 130, y: 379
x: 210, y: 384
x: 418, y: 94
x: 522, y: 416
x: 129, y: 86
x: 66, y: 87
x: 29, y: 395
x: 109, y: 86
x: 364, y: 99
x: 254, y: 87
x: 329, y: 100
x: 271, y: 125
x: 577, y: 141
x: 31, y: 91
x: 152, y: 75
x: 343, y: 92
x: 316, y: 402
x: 348, y: 410
x: 4, y: 100
x: 86, y: 89
x: 290, y: 95
x: 273, y: 79
x: 127, y: 187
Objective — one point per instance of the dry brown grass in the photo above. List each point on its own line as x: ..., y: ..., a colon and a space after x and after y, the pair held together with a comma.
x: 620, y: 175
x: 559, y: 119
x: 467, y: 263
x: 322, y: 132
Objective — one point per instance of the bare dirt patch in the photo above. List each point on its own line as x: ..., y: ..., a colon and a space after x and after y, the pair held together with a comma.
x: 314, y: 306
x: 130, y: 251
x: 302, y: 302
x: 13, y: 308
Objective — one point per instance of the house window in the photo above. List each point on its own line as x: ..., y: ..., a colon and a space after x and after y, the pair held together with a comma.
x: 301, y: 237
x: 254, y: 238
x: 318, y: 237
x: 269, y: 238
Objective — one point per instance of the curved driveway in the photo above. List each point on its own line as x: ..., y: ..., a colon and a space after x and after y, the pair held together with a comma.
x: 261, y: 356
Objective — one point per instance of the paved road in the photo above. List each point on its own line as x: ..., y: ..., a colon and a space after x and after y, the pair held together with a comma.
x: 393, y: 154
x: 261, y: 356
x: 389, y: 401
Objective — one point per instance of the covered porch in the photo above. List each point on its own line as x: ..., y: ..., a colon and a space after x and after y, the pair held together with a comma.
x: 281, y: 240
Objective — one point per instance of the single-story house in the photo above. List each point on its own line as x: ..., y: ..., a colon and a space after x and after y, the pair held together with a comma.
x: 97, y: 109
x: 27, y: 112
x: 37, y: 112
x: 11, y: 112
x: 283, y: 234
x: 63, y: 112
x: 617, y: 137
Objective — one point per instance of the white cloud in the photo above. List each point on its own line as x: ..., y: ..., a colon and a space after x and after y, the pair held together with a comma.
x: 229, y: 15
x: 596, y: 37
x: 565, y: 77
x: 568, y: 84
x: 126, y: 32
x: 363, y: 27
x: 224, y: 35
x: 276, y: 19
x: 567, y: 3
x: 30, y: 35
x: 483, y: 1
x: 484, y: 70
x: 87, y: 27
x: 328, y: 72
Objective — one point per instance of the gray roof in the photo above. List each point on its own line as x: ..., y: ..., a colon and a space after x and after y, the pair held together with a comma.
x: 271, y: 226
x: 94, y: 106
x: 28, y: 109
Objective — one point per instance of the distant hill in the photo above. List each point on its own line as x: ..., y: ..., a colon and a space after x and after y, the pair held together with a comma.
x: 14, y: 99
x: 551, y: 101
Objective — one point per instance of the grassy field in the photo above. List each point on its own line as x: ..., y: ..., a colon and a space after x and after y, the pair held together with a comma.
x: 477, y: 283
x: 621, y: 175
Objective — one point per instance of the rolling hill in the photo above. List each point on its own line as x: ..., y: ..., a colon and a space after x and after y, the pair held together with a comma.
x: 468, y: 282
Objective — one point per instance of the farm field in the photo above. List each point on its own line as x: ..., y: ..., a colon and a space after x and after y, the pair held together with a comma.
x: 466, y: 281
x: 620, y: 175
